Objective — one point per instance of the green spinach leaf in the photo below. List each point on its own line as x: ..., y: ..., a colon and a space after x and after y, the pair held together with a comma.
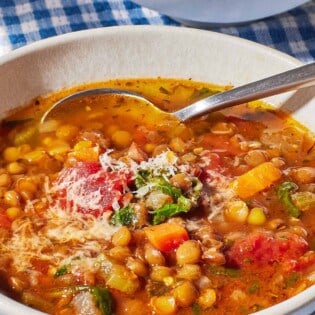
x: 124, y: 216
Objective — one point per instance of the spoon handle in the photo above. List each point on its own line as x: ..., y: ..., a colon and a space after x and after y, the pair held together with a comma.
x: 279, y: 83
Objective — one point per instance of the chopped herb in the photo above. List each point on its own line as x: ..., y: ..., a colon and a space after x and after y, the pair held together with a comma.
x: 254, y: 287
x: 203, y: 92
x: 164, y: 90
x: 291, y: 280
x: 102, y: 296
x: 283, y: 193
x: 223, y: 271
x: 142, y: 178
x: 156, y: 288
x: 61, y: 271
x: 103, y: 300
x: 196, y: 309
x: 167, y: 188
x: 124, y: 216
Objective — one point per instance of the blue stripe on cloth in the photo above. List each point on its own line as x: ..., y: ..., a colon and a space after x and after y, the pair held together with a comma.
x: 292, y: 32
x: 26, y: 21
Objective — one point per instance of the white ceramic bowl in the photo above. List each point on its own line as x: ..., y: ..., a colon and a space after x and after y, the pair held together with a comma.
x: 207, y: 13
x: 145, y: 51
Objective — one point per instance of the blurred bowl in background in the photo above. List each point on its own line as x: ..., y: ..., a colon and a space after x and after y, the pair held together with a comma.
x: 207, y: 13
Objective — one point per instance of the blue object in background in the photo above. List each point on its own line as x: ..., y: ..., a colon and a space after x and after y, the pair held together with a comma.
x: 26, y: 21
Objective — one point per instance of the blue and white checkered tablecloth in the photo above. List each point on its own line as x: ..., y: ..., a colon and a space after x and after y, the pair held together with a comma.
x: 26, y: 21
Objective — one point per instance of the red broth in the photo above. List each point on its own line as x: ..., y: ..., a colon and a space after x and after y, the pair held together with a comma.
x: 103, y: 213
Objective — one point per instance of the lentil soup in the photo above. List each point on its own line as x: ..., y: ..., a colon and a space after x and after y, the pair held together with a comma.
x: 105, y: 212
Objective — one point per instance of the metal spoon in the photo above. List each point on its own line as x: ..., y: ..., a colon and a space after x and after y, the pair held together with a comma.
x: 286, y: 81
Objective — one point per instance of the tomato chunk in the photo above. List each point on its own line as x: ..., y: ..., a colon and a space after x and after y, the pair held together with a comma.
x: 305, y: 262
x: 263, y: 248
x: 4, y: 221
x: 89, y: 189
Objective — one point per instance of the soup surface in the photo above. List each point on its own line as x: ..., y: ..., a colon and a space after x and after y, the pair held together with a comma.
x: 106, y: 211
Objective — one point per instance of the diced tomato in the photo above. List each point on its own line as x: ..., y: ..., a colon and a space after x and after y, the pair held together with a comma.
x: 4, y: 221
x: 250, y: 128
x: 304, y: 262
x: 210, y: 162
x: 40, y: 265
x: 220, y: 143
x: 264, y: 248
x: 90, y: 189
x: 139, y: 136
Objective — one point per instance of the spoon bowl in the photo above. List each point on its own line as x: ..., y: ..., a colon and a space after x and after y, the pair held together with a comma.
x: 147, y: 112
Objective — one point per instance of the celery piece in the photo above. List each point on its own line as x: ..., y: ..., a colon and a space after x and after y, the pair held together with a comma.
x: 284, y: 195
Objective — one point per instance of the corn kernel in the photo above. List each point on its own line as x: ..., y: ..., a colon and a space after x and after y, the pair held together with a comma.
x: 189, y: 272
x: 16, y: 168
x: 149, y: 147
x: 111, y: 129
x: 47, y: 141
x: 158, y: 273
x: 67, y: 132
x: 177, y: 145
x: 13, y: 212
x: 207, y: 298
x: 122, y: 237
x: 237, y: 211
x: 121, y: 139
x: 164, y: 305
x: 26, y: 184
x: 59, y: 150
x: 82, y: 145
x: 5, y: 180
x: 87, y: 154
x: 168, y: 281
x: 185, y: 294
x: 137, y: 266
x: 188, y: 253
x: 256, y: 216
x: 11, y: 198
x: 171, y: 157
x: 35, y: 156
x: 11, y: 154
x: 198, y: 150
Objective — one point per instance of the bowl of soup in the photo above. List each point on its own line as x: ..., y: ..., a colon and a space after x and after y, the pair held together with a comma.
x: 104, y: 211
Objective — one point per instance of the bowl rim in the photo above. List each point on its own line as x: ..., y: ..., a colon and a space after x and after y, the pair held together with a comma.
x: 11, y: 306
x: 98, y: 32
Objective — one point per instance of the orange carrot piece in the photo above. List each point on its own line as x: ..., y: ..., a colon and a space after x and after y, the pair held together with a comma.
x: 257, y: 179
x: 166, y: 236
